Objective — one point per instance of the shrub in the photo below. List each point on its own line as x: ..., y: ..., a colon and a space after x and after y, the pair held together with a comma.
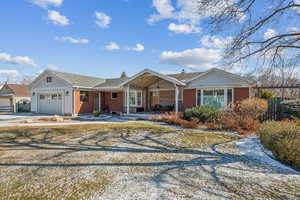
x: 169, y: 118
x: 235, y: 122
x: 193, y: 123
x: 255, y: 108
x: 283, y: 140
x: 177, y: 120
x: 96, y: 113
x: 203, y: 113
x: 265, y: 94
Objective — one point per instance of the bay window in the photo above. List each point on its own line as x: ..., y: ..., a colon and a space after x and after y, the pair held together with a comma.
x: 215, y: 97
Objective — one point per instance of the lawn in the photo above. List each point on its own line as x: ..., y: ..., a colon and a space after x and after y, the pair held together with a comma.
x: 130, y: 161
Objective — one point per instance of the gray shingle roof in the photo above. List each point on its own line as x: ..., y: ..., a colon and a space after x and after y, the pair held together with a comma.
x: 185, y: 76
x: 112, y: 82
x: 116, y: 82
x: 79, y: 80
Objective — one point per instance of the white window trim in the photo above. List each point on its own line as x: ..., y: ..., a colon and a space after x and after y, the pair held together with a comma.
x: 225, y: 95
x: 136, y: 96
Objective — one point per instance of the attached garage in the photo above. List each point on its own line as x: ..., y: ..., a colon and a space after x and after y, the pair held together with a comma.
x: 5, y: 102
x: 50, y: 103
x: 60, y: 93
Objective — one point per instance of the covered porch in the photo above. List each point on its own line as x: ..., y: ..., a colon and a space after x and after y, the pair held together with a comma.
x: 150, y: 91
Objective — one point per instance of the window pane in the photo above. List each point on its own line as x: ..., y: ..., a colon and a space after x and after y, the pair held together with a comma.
x: 199, y: 97
x: 54, y: 96
x: 132, y: 97
x: 139, y: 98
x: 84, y: 96
x: 114, y: 95
x: 229, y: 97
x: 214, y: 98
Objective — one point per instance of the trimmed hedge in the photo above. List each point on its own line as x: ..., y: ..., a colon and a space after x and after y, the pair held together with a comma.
x: 203, y: 114
x: 283, y: 140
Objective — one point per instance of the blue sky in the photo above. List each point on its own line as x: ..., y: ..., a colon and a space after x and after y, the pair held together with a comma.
x: 103, y: 38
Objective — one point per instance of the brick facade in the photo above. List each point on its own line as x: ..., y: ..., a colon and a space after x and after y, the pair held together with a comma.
x: 112, y: 105
x: 84, y: 107
x: 167, y: 97
x: 241, y: 94
x: 189, y: 98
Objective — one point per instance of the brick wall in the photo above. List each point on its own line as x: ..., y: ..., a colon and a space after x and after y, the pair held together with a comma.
x: 189, y: 98
x: 241, y: 94
x: 112, y: 105
x: 84, y: 107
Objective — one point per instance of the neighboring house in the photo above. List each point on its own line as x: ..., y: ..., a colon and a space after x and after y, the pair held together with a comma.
x: 12, y: 95
x: 69, y: 94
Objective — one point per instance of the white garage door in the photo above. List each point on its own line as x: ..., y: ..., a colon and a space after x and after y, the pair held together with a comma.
x: 4, y: 102
x: 50, y: 104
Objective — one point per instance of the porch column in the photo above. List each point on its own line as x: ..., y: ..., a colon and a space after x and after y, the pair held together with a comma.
x: 176, y: 98
x: 128, y: 99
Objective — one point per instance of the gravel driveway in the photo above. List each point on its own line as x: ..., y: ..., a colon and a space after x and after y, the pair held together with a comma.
x: 134, y: 161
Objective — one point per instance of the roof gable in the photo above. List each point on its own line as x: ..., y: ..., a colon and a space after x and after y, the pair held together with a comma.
x: 162, y: 76
x: 16, y: 90
x: 69, y: 79
x: 219, y: 78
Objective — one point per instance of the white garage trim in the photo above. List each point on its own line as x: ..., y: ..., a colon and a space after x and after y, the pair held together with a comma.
x: 64, y: 102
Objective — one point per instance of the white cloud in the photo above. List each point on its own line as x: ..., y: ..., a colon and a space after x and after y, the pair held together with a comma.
x: 9, y: 72
x: 56, y: 18
x: 138, y: 48
x: 269, y: 34
x: 199, y: 58
x: 52, y: 67
x: 17, y: 60
x: 9, y: 75
x: 46, y: 3
x: 187, y: 11
x: 293, y: 29
x: 112, y: 46
x: 102, y: 19
x: 213, y: 41
x: 164, y: 9
x: 183, y: 28
x: 72, y: 40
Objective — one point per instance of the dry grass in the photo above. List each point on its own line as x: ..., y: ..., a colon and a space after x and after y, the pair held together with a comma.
x: 192, y: 139
x: 56, y: 185
x: 48, y: 149
x: 107, y: 160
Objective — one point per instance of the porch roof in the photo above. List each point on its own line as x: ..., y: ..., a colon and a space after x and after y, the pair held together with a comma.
x: 148, y: 77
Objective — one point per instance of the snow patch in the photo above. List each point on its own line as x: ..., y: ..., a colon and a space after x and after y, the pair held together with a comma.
x: 253, y: 148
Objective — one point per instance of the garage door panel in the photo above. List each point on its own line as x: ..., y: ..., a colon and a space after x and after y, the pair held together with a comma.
x: 50, y: 103
x: 4, y: 102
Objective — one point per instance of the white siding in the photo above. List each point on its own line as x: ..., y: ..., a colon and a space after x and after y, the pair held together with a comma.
x: 217, y: 79
x: 56, y: 82
x: 67, y: 100
x: 56, y: 86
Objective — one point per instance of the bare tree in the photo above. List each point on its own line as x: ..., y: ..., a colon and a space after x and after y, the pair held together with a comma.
x: 248, y: 20
x: 284, y: 74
